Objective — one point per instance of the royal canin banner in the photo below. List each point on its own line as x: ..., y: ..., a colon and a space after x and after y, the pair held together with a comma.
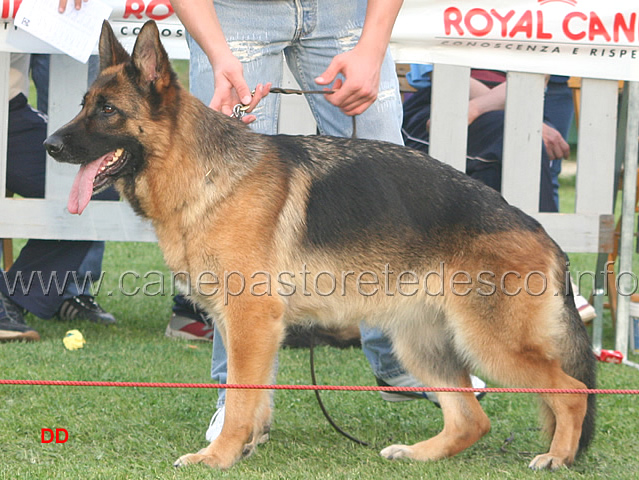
x: 586, y: 38
x: 583, y: 38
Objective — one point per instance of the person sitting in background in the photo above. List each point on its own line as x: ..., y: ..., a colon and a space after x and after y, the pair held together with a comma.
x: 486, y: 118
x: 30, y: 284
x: 487, y: 100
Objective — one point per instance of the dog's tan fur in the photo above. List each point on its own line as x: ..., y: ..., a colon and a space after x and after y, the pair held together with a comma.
x: 223, y: 199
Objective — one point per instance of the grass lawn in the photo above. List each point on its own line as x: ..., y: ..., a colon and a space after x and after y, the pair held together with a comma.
x: 131, y: 433
x: 139, y: 432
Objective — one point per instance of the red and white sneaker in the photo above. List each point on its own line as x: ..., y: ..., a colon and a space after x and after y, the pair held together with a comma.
x: 586, y: 311
x: 188, y: 328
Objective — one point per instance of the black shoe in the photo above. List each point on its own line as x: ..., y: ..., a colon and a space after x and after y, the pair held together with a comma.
x: 84, y: 307
x: 12, y: 326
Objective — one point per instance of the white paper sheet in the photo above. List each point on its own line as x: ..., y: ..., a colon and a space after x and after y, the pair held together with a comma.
x: 74, y: 32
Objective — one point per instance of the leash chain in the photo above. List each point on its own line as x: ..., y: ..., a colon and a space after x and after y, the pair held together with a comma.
x: 239, y: 110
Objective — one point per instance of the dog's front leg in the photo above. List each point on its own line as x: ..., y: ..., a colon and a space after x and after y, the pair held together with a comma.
x: 253, y: 330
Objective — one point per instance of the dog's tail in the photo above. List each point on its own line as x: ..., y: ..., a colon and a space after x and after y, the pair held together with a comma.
x: 577, y: 357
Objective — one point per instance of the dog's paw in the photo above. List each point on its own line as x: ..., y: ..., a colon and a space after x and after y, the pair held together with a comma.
x: 188, y: 459
x: 395, y: 452
x: 548, y: 461
x: 210, y: 460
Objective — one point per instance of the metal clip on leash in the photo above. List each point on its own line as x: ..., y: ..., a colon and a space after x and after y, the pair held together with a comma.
x: 239, y: 111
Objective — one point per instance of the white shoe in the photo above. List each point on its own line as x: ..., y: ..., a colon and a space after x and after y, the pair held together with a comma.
x: 217, y: 422
x: 215, y: 425
x: 407, y: 380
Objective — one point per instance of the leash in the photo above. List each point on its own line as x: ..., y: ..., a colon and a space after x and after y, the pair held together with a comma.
x: 239, y: 110
x: 329, y: 419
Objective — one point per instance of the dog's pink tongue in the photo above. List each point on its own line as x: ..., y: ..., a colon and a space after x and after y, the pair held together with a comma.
x: 83, y: 187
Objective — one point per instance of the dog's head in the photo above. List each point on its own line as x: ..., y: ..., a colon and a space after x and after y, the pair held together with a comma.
x: 111, y: 136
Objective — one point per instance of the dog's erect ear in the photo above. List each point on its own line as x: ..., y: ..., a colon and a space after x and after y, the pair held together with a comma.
x: 111, y: 51
x: 150, y: 58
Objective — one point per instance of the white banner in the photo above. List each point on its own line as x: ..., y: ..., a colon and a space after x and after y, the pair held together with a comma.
x: 583, y: 38
x: 127, y: 18
x: 586, y: 38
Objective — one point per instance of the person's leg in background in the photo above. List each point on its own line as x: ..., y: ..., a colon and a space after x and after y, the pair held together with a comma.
x: 323, y: 37
x: 559, y: 112
x: 485, y: 155
x: 48, y: 259
x: 39, y: 67
x: 263, y: 62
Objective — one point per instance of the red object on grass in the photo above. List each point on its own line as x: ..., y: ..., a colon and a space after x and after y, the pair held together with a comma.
x: 610, y: 356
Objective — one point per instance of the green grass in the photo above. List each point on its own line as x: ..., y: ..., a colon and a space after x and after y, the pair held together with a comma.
x: 137, y: 433
x: 131, y: 433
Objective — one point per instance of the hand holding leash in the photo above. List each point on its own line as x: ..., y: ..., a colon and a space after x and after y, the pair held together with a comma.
x: 231, y: 88
x: 357, y: 89
x: 240, y: 110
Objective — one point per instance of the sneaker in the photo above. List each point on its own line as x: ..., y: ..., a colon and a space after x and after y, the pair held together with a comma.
x: 189, y: 328
x: 407, y: 380
x: 217, y: 422
x: 586, y: 311
x: 215, y: 425
x: 12, y: 325
x: 84, y: 307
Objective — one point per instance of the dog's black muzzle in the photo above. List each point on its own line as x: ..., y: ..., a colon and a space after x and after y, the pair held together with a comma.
x: 54, y: 145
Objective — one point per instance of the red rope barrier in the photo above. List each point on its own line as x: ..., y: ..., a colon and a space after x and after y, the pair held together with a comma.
x: 76, y: 383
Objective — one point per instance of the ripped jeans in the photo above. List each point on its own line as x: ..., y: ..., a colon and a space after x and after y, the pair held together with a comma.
x: 308, y: 34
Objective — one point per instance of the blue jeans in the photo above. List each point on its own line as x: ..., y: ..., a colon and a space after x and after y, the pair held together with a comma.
x: 263, y: 34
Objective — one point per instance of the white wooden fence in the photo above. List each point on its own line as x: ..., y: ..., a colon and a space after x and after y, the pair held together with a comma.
x: 588, y: 229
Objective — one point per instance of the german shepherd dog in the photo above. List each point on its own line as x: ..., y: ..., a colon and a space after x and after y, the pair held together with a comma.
x: 458, y: 279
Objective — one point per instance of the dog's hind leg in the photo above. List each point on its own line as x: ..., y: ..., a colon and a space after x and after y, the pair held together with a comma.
x: 253, y: 331
x: 537, y: 351
x: 464, y: 423
x: 531, y: 363
x: 430, y: 357
x: 569, y: 411
x: 564, y: 413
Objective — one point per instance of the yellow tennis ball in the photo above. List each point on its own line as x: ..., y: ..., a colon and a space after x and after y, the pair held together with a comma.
x: 73, y: 340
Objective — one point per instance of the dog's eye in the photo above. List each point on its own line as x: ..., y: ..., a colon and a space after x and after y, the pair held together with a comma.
x: 108, y: 109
